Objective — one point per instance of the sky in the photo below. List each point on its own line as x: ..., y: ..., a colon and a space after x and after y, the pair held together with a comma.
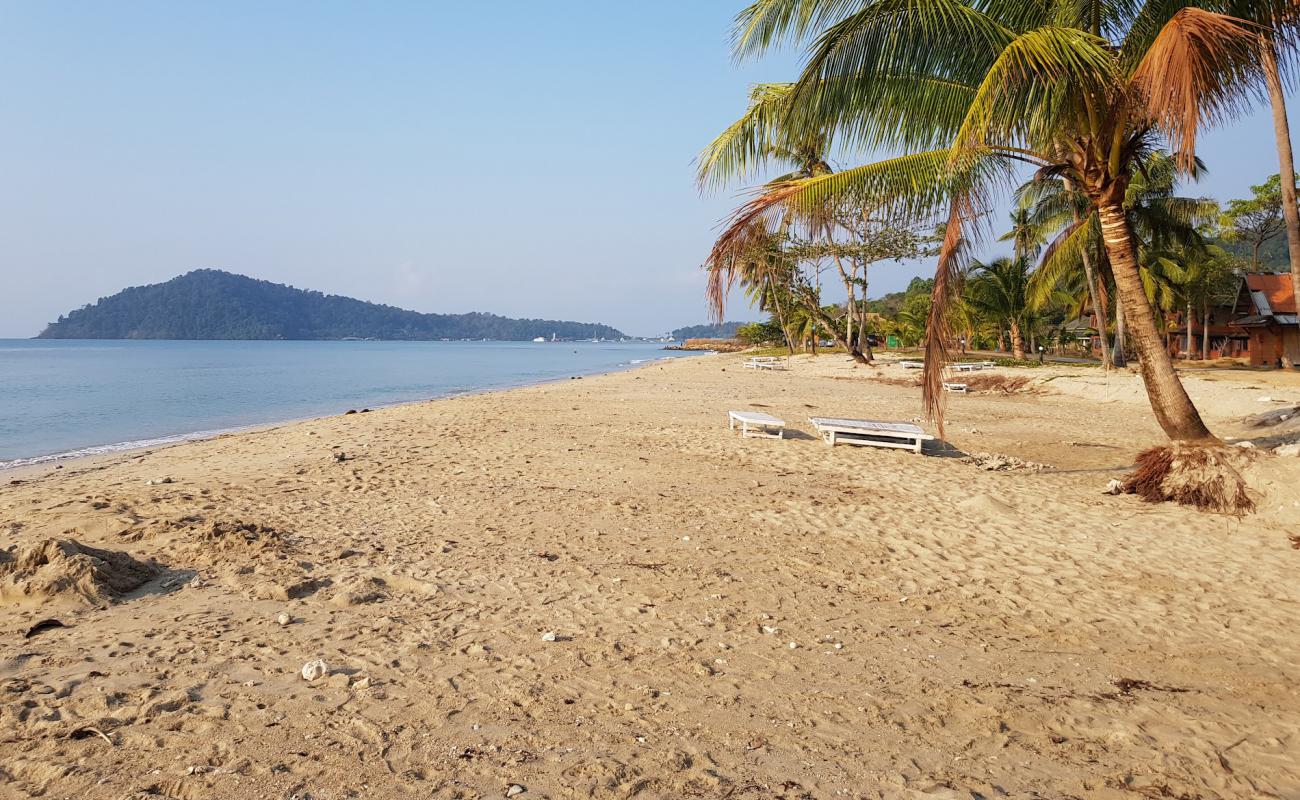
x: 526, y: 159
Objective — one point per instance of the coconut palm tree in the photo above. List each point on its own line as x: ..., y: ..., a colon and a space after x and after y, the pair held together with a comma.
x: 1161, y: 220
x: 1277, y: 22
x: 971, y: 91
x: 998, y: 291
x: 756, y: 141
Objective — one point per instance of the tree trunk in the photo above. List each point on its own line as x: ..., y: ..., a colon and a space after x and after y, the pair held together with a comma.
x: 1117, y: 356
x: 850, y: 306
x: 1173, y: 409
x: 1205, y: 331
x: 780, y: 317
x: 1017, y: 342
x: 1189, y: 329
x: 1098, y: 312
x: 825, y: 319
x: 1282, y: 132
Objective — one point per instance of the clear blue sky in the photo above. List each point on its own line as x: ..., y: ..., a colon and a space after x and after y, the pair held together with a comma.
x: 529, y: 159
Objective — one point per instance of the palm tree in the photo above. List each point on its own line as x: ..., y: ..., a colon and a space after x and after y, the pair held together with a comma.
x: 999, y: 291
x: 972, y: 90
x: 1277, y: 21
x: 1160, y: 219
x: 757, y: 140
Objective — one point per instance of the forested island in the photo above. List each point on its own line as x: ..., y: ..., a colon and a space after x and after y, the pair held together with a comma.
x: 212, y: 304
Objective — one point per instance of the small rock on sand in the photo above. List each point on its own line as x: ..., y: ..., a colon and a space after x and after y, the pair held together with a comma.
x: 315, y: 669
x: 515, y: 790
x: 550, y: 636
x: 283, y: 618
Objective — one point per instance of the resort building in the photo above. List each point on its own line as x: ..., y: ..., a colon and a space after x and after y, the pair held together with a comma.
x: 1266, y: 309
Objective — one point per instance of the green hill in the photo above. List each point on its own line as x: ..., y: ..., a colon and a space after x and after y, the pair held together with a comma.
x: 211, y: 304
x: 722, y: 330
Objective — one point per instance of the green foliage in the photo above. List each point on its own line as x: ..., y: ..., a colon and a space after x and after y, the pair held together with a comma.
x: 756, y: 333
x: 1256, y: 220
x: 211, y: 304
x: 890, y: 304
x: 721, y: 330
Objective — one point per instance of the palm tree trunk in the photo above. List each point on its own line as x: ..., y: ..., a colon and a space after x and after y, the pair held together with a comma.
x: 1117, y: 356
x: 1205, y: 331
x: 1173, y: 409
x: 1282, y: 132
x: 780, y: 317
x: 1017, y: 342
x: 1097, y: 312
x: 1189, y: 329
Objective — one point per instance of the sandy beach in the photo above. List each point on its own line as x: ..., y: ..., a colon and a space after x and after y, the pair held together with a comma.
x: 593, y: 589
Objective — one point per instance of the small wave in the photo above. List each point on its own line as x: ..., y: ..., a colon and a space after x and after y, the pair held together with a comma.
x: 105, y: 449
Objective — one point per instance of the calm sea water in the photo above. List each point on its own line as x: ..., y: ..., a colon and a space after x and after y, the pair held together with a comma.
x: 65, y: 398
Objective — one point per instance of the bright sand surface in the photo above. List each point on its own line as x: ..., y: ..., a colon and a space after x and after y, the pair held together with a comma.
x: 733, y: 618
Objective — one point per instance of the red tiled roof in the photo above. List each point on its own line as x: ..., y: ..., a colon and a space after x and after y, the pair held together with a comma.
x: 1277, y: 288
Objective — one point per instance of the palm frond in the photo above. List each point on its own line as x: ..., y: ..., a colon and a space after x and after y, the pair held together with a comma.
x: 1199, y: 69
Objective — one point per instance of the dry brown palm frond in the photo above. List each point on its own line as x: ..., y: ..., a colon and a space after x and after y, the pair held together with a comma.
x: 947, y: 279
x: 1207, y: 476
x: 1197, y: 70
x: 746, y: 228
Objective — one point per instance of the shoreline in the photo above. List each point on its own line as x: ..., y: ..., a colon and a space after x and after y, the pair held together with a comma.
x: 101, y: 452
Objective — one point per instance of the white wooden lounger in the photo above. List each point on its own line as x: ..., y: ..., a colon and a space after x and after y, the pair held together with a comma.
x: 912, y: 364
x: 869, y: 432
x: 765, y: 362
x: 756, y: 424
x: 959, y: 388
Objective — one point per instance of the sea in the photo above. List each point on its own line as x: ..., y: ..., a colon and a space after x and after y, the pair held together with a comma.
x: 70, y: 398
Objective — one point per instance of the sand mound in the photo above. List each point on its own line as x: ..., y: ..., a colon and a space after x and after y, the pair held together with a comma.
x: 64, y: 569
x: 986, y: 504
x: 234, y: 537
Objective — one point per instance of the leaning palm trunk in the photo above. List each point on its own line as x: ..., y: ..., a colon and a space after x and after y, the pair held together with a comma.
x: 1173, y: 408
x: 1282, y: 132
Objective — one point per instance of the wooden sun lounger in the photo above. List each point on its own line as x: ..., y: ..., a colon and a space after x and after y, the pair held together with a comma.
x: 959, y: 388
x: 912, y: 364
x: 755, y: 424
x: 765, y: 362
x: 903, y: 435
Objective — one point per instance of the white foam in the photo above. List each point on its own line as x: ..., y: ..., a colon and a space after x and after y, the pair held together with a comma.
x: 116, y: 447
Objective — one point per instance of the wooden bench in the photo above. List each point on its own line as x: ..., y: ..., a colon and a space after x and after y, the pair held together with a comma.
x: 902, y: 435
x: 755, y: 424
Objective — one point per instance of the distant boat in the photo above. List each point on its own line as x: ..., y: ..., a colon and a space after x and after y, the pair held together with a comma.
x: 540, y: 339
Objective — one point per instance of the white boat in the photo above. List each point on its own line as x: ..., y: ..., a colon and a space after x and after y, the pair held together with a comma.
x: 540, y: 339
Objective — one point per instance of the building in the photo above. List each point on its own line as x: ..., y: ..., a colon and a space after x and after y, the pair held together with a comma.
x: 1226, y: 340
x: 1266, y: 310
